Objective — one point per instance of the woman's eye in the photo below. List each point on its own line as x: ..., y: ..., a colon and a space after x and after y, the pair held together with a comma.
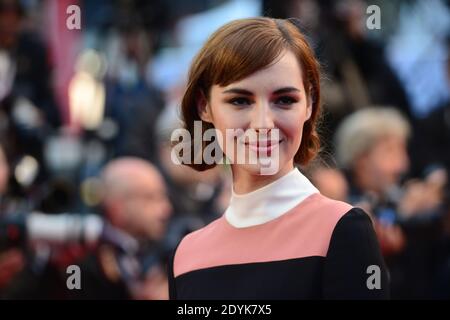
x: 240, y: 101
x: 285, y: 101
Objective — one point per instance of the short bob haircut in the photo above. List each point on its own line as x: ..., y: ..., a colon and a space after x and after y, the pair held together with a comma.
x: 241, y: 48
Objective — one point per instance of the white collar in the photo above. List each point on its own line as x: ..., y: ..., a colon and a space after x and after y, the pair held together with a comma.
x: 270, y: 201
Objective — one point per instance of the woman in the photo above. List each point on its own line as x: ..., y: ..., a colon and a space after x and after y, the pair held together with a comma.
x: 279, y: 238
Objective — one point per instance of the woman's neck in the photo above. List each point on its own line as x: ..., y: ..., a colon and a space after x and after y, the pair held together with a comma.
x: 245, y: 182
x: 269, y: 201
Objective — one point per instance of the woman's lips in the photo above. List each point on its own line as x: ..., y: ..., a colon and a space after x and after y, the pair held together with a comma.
x: 264, y: 147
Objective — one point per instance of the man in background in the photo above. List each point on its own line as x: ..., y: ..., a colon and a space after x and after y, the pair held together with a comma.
x: 135, y: 202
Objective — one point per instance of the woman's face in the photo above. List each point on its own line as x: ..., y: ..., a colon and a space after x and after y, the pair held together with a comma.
x: 271, y: 107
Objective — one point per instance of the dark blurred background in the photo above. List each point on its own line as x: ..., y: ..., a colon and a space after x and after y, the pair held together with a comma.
x: 86, y: 118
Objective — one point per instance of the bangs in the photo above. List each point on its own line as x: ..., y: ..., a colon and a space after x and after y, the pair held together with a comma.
x: 243, y: 52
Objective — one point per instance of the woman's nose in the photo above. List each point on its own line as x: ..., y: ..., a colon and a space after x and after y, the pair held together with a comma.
x: 262, y: 117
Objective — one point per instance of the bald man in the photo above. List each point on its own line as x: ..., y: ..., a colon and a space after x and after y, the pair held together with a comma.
x: 135, y: 198
x: 134, y: 201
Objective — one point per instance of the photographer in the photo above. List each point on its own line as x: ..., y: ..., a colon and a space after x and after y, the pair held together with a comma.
x: 121, y: 256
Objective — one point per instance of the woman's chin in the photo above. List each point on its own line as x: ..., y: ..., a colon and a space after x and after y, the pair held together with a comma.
x: 263, y: 167
x: 263, y: 164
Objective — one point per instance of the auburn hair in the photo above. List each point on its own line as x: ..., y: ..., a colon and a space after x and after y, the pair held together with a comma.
x: 239, y: 49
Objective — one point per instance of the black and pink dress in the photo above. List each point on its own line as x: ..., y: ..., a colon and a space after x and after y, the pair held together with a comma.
x: 283, y: 241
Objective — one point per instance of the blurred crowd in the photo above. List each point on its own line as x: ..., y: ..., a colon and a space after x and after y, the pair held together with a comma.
x: 86, y: 117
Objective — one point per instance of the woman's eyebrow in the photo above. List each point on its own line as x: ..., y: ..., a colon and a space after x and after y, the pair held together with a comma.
x: 248, y: 93
x: 238, y: 91
x: 286, y: 90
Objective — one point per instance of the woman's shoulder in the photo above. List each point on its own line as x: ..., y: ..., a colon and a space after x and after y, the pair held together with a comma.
x: 353, y: 226
x: 336, y: 212
x: 316, y: 220
x: 194, y: 244
x: 328, y: 211
x: 346, y: 225
x: 202, y: 234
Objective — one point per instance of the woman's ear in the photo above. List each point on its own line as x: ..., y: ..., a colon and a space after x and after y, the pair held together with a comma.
x: 203, y: 108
